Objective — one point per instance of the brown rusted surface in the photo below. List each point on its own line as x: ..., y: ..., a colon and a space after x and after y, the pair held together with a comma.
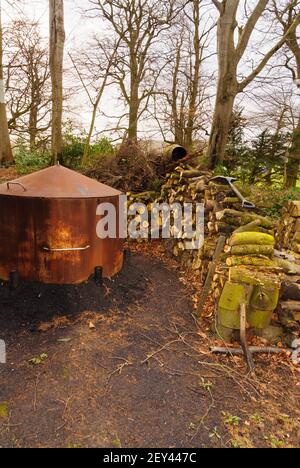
x: 38, y: 231
x: 57, y: 182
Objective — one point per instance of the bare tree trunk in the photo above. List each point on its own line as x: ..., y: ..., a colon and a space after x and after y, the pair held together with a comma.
x: 227, y: 82
x: 293, y: 162
x: 220, y: 129
x: 196, y: 76
x: 95, y: 102
x: 133, y: 115
x: 177, y: 124
x: 6, y: 155
x: 137, y: 24
x: 33, y: 114
x: 86, y: 151
x: 229, y: 56
x: 134, y: 102
x: 57, y: 41
x: 33, y: 127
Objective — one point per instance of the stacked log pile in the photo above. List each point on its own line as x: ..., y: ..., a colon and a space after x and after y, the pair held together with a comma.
x: 252, y: 247
x: 187, y: 185
x: 249, y: 271
x: 184, y: 185
x: 288, y: 253
x: 223, y: 215
x: 254, y: 279
x: 289, y: 310
x: 288, y: 234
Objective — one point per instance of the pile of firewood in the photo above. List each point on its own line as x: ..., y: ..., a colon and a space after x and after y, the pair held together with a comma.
x: 288, y: 257
x: 250, y: 270
x: 252, y: 277
x: 223, y: 215
x: 289, y: 310
x: 251, y: 246
x: 288, y: 234
x: 187, y: 185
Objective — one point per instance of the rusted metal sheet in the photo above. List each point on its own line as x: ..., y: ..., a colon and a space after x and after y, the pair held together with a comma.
x: 57, y: 182
x: 53, y: 239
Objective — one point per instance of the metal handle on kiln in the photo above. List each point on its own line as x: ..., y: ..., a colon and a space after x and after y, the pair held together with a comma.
x: 47, y: 249
x: 16, y: 183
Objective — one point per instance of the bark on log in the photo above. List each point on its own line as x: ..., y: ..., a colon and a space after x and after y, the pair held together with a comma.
x: 254, y: 226
x: 200, y: 186
x: 291, y: 305
x: 252, y: 261
x: 288, y: 267
x: 231, y: 201
x: 254, y: 277
x: 245, y: 217
x: 191, y: 174
x: 293, y: 209
x: 290, y: 291
x: 224, y: 228
x: 251, y: 238
x: 250, y: 249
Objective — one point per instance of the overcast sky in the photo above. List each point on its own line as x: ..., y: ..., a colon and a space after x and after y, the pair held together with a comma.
x: 79, y: 30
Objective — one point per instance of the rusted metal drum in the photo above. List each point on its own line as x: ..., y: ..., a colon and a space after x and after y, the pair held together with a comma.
x: 175, y: 152
x: 48, y: 228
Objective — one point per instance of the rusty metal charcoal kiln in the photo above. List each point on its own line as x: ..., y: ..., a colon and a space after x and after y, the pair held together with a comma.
x: 48, y: 228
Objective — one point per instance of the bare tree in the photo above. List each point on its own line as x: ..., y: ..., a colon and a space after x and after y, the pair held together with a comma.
x: 94, y: 71
x: 196, y: 57
x: 229, y: 57
x: 187, y: 96
x: 27, y: 84
x: 5, y: 146
x: 57, y: 41
x: 138, y: 24
x: 285, y: 15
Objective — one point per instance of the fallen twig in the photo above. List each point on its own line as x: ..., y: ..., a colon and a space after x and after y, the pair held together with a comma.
x: 159, y: 351
x: 253, y: 349
x: 35, y: 392
x: 243, y: 337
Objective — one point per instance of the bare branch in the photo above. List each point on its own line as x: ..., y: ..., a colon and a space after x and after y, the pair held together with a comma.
x: 269, y: 55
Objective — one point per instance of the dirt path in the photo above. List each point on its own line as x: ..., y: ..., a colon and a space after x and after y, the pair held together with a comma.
x: 141, y: 378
